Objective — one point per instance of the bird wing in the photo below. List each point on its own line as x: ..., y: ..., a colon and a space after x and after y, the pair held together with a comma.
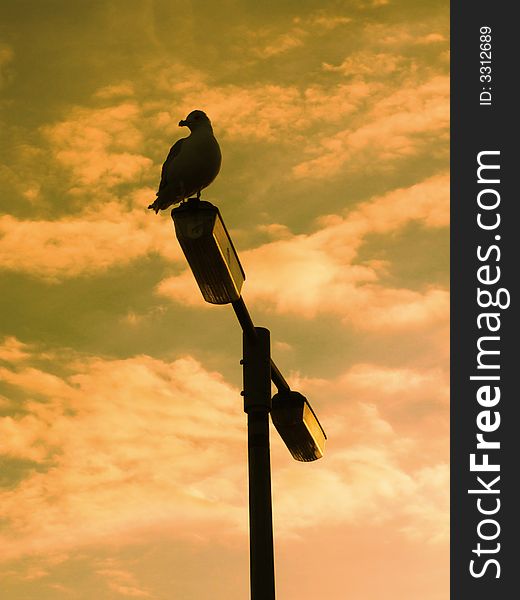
x: 174, y: 151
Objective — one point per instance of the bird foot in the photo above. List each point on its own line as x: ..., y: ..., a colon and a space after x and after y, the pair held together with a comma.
x: 197, y: 197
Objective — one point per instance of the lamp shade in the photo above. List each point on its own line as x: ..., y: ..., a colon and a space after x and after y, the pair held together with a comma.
x: 209, y: 251
x: 298, y: 426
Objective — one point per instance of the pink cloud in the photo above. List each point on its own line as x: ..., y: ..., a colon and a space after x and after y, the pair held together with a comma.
x: 100, y: 146
x: 398, y: 125
x: 89, y: 242
x: 362, y: 64
x: 142, y: 445
x: 282, y: 43
x: 134, y: 444
x: 266, y: 112
x: 320, y: 269
x: 6, y: 57
x: 13, y: 350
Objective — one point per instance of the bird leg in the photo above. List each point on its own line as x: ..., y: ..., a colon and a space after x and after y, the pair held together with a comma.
x: 197, y: 197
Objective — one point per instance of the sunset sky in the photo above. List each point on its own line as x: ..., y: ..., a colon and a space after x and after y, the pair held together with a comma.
x: 123, y: 438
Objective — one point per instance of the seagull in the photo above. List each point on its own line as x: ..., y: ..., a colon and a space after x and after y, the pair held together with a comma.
x: 191, y: 165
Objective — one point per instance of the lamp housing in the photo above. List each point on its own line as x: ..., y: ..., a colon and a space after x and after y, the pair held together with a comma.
x: 298, y: 426
x: 209, y: 251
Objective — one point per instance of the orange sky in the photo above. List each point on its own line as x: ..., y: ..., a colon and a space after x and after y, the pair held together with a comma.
x: 123, y: 436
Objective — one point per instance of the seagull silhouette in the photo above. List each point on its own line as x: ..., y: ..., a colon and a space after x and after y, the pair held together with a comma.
x: 191, y: 165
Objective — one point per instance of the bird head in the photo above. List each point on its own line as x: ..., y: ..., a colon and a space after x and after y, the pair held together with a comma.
x: 195, y: 120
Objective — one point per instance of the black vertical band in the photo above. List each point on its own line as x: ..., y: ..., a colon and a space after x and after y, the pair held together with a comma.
x: 484, y: 269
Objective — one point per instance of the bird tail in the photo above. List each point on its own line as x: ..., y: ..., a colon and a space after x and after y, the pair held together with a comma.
x: 162, y: 204
x: 155, y: 206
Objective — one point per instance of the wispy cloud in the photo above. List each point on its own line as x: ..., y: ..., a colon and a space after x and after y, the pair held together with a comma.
x: 118, y: 464
x: 125, y: 89
x: 403, y: 35
x: 100, y: 146
x: 270, y: 42
x: 13, y: 350
x: 398, y: 126
x: 269, y: 112
x: 90, y: 242
x: 365, y: 483
x: 370, y: 64
x: 6, y: 58
x: 132, y: 446
x: 124, y: 445
x: 322, y: 271
x: 387, y: 464
x: 121, y: 580
x: 282, y: 43
x: 324, y: 20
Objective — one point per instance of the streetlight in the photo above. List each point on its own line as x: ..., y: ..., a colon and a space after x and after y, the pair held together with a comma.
x: 214, y: 261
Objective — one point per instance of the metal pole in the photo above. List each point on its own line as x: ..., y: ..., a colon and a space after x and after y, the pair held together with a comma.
x: 257, y: 404
x: 244, y: 318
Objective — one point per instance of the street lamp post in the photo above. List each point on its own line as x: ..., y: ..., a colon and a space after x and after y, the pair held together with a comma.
x: 214, y: 261
x: 257, y: 405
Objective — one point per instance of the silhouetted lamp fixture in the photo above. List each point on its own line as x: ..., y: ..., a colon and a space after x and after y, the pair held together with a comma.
x: 212, y: 257
x: 298, y: 426
x: 209, y: 250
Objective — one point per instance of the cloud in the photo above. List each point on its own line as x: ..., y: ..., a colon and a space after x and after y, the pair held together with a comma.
x: 324, y: 20
x: 431, y: 38
x: 268, y: 112
x: 432, y: 511
x: 402, y: 401
x: 402, y: 36
x: 123, y: 446
x: 355, y: 123
x: 131, y: 447
x: 123, y: 89
x: 397, y: 126
x: 387, y: 454
x: 365, y: 483
x: 364, y: 64
x: 120, y: 580
x: 268, y: 42
x: 255, y: 112
x: 150, y: 451
x: 94, y: 152
x: 100, y: 146
x: 6, y: 57
x: 100, y: 237
x: 320, y: 269
x: 13, y: 350
x: 282, y: 43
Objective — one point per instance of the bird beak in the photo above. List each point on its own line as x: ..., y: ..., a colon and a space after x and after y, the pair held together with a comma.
x: 182, y: 123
